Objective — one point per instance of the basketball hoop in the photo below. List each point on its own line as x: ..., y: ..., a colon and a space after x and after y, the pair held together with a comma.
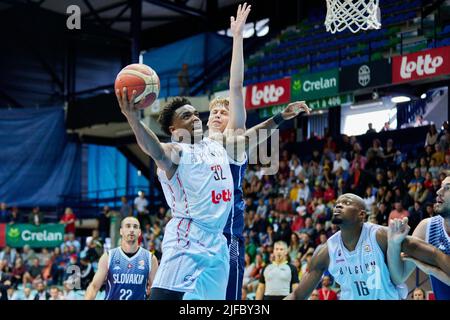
x: 352, y: 14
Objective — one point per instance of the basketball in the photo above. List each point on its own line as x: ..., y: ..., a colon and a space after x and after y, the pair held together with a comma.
x: 141, y: 78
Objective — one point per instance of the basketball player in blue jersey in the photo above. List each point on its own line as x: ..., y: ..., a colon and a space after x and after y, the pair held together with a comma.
x: 355, y: 257
x: 128, y: 270
x: 435, y: 231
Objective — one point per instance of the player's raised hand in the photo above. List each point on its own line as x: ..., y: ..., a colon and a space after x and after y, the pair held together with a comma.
x: 294, y: 109
x: 398, y: 230
x: 127, y: 106
x: 237, y: 24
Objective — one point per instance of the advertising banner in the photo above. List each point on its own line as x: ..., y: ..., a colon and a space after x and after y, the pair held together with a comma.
x: 43, y: 236
x: 420, y: 65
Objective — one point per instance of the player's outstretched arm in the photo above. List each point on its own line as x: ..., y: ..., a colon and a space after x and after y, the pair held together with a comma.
x: 291, y: 111
x: 428, y: 269
x: 396, y: 233
x: 99, y: 278
x: 238, y: 114
x: 310, y: 280
x: 146, y: 138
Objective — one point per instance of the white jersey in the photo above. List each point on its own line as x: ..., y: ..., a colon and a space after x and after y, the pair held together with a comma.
x: 362, y: 273
x: 202, y: 187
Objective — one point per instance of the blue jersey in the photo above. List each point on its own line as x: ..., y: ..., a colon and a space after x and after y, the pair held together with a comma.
x: 235, y: 222
x: 437, y: 237
x: 128, y: 277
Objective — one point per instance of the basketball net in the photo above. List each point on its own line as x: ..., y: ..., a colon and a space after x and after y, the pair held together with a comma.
x: 355, y: 15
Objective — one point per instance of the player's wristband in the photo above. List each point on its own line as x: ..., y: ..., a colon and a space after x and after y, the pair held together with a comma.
x: 278, y: 119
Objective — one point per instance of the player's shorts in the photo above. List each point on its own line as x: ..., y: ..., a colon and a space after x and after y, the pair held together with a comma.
x: 236, y: 246
x: 193, y: 261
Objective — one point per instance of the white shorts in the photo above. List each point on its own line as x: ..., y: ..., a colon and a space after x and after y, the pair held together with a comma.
x: 193, y: 261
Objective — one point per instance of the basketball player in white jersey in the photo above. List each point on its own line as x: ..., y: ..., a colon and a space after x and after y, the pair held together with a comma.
x: 198, y: 187
x: 355, y: 257
x: 128, y: 270
x: 434, y: 230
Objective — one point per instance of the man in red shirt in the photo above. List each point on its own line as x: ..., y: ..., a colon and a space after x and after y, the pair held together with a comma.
x: 68, y: 219
x: 398, y: 212
x: 325, y: 293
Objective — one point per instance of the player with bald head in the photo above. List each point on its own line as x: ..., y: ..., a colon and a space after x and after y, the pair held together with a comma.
x: 128, y: 270
x: 355, y: 257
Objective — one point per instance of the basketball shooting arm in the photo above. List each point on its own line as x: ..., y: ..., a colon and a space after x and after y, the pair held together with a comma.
x: 238, y: 115
x: 99, y: 278
x: 319, y: 264
x: 432, y: 260
x: 146, y: 138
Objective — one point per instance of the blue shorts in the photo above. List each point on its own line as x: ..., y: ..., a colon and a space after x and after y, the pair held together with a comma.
x: 236, y: 247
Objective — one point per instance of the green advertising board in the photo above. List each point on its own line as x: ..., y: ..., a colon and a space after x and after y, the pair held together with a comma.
x: 330, y: 102
x: 312, y: 86
x: 43, y: 236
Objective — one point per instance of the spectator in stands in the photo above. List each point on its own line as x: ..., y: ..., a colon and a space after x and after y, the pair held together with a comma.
x: 9, y: 255
x: 383, y: 214
x: 104, y: 222
x: 248, y: 270
x: 18, y: 273
x: 42, y: 293
x: 429, y: 210
x: 68, y: 219
x: 55, y: 294
x: 421, y: 194
x: 423, y: 166
x: 359, y: 179
x: 428, y: 154
x: 418, y: 294
x: 71, y: 241
x: 431, y: 137
x: 390, y: 154
x: 26, y: 294
x: 28, y: 255
x: 87, y: 271
x: 415, y: 216
x: 4, y: 213
x: 443, y: 167
x: 386, y: 127
x: 404, y: 175
x: 68, y: 292
x: 420, y: 121
x: 325, y: 292
x: 34, y: 273
x: 36, y: 217
x: 94, y: 247
x: 314, y: 295
x: 125, y: 208
x: 279, y: 278
x: 340, y: 162
x: 399, y: 212
x: 371, y: 129
x: 183, y: 80
x: 140, y: 204
x: 444, y: 141
x: 438, y: 155
x: 14, y: 217
x: 412, y: 184
x: 369, y: 198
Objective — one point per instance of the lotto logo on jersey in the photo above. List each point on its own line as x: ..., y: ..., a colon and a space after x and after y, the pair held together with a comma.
x: 224, y: 195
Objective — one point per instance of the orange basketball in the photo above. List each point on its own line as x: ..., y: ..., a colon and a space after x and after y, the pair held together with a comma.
x: 141, y: 78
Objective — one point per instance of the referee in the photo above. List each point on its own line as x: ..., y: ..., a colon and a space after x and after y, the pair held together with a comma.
x: 279, y: 278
